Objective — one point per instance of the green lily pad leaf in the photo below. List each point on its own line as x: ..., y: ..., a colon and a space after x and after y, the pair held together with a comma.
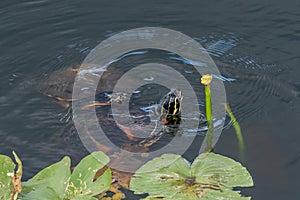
x: 160, y: 173
x: 49, y: 194
x: 51, y: 179
x: 211, y: 176
x: 82, y: 179
x: 207, y: 195
x: 211, y: 168
x: 7, y: 167
x: 46, y: 193
x: 226, y: 194
x: 56, y: 181
x: 84, y: 198
x: 159, y: 163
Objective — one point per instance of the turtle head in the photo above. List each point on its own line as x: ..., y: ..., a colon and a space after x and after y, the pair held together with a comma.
x: 171, y: 102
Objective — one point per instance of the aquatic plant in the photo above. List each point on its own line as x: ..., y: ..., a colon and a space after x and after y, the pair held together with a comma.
x: 56, y: 182
x: 10, y: 181
x: 210, y: 176
x: 238, y: 132
x: 206, y: 80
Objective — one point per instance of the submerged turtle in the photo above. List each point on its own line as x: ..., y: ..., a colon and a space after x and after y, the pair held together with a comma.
x: 59, y: 86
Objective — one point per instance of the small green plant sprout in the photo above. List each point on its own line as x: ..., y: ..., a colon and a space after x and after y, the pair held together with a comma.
x: 10, y: 181
x: 238, y: 132
x: 210, y: 176
x: 56, y: 182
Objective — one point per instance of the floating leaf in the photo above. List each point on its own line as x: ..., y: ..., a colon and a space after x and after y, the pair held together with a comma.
x: 223, y: 195
x: 56, y: 181
x: 7, y: 167
x: 81, y: 181
x: 160, y: 173
x: 211, y: 176
x: 210, y: 168
x: 10, y: 182
x: 45, y: 193
x: 51, y: 179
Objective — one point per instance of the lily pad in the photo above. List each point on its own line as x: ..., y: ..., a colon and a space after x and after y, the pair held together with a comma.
x: 7, y: 167
x: 52, y: 179
x: 210, y: 168
x: 57, y: 182
x: 211, y: 176
x: 10, y: 181
x: 82, y: 179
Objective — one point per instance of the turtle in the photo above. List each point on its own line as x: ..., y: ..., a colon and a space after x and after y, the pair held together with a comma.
x: 59, y: 86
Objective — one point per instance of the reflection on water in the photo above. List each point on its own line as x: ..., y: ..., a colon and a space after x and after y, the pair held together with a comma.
x: 255, y: 45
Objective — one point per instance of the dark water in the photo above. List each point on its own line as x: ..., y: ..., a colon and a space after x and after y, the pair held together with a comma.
x: 255, y: 45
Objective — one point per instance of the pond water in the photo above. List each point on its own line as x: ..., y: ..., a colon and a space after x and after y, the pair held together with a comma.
x: 254, y: 44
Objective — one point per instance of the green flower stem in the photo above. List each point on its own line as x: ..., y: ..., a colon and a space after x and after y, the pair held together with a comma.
x: 238, y: 132
x: 206, y: 80
x: 208, y: 103
x: 209, y: 147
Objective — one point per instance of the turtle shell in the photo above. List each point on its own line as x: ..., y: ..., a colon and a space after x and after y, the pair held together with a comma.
x: 59, y: 85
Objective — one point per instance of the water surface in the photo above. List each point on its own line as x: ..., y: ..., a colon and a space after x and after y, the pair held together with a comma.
x: 255, y: 45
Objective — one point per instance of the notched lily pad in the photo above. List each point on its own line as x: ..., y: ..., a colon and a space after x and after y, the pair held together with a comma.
x: 52, y: 179
x: 7, y: 167
x: 57, y: 182
x: 82, y: 179
x: 210, y: 168
x: 10, y: 181
x: 211, y: 176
